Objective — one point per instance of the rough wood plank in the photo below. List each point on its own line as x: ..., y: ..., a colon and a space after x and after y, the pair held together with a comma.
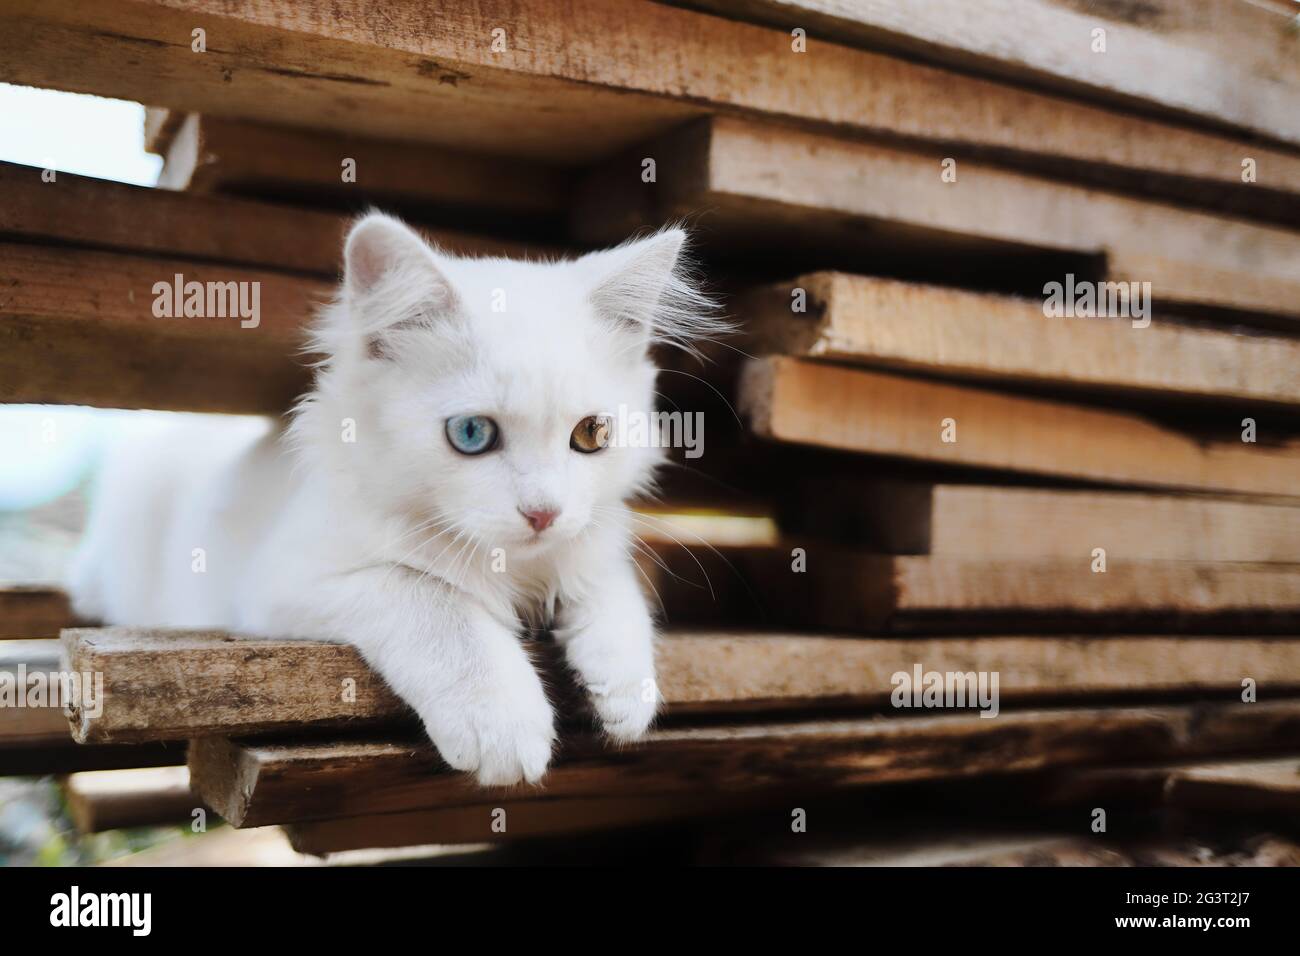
x: 212, y: 155
x: 1159, y: 55
x: 30, y: 726
x: 78, y: 327
x: 34, y: 611
x: 742, y: 179
x: 100, y: 800
x: 92, y: 213
x: 174, y: 685
x: 260, y: 784
x: 806, y: 584
x: 806, y: 403
x: 634, y: 70
x: 522, y: 818
x: 889, y: 324
x: 1259, y: 786
x: 1014, y: 522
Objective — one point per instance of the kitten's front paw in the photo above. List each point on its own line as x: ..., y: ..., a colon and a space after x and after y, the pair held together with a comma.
x: 625, y: 710
x: 502, y: 733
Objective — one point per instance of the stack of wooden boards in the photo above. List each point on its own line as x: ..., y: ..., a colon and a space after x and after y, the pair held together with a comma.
x: 1103, y: 511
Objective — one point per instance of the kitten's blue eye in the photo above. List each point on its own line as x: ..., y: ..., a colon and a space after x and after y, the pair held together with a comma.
x: 472, y: 434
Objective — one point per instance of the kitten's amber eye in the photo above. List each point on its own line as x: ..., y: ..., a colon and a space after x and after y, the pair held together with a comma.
x: 591, y: 434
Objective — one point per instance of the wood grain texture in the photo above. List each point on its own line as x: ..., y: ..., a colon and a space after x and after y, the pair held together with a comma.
x: 740, y: 177
x: 633, y: 71
x: 101, y: 800
x: 884, y: 323
x: 252, y: 784
x: 851, y: 410
x: 163, y: 685
x: 94, y: 214
x: 34, y: 611
x: 1158, y: 54
x: 1239, y: 786
x: 993, y: 522
x: 808, y: 584
x: 209, y: 154
x: 78, y: 327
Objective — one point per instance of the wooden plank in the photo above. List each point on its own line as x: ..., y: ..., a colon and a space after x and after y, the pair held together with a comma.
x: 636, y: 70
x: 32, y: 611
x: 78, y: 327
x: 1005, y: 522
x: 742, y: 180
x: 1246, y: 786
x: 252, y: 784
x: 810, y: 585
x: 1157, y: 57
x: 213, y: 155
x: 805, y: 403
x: 522, y: 818
x: 21, y: 725
x: 161, y: 685
x: 100, y: 800
x: 884, y: 323
x: 92, y: 213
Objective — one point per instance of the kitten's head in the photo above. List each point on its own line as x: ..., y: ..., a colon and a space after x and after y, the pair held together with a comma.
x: 482, y: 388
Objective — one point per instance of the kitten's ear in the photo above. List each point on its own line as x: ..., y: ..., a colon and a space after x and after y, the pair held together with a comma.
x: 380, y: 247
x: 644, y: 288
x: 393, y: 280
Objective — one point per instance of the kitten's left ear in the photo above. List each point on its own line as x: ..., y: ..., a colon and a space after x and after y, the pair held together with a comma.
x: 641, y: 287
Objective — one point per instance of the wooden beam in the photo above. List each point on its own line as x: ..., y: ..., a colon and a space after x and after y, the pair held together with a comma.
x: 100, y: 800
x: 161, y: 685
x: 636, y: 70
x: 1157, y: 55
x: 809, y: 584
x: 521, y: 818
x: 252, y: 784
x: 209, y: 154
x: 32, y: 611
x: 1240, y: 786
x: 1008, y: 522
x: 21, y: 724
x: 741, y: 181
x: 805, y: 403
x: 884, y: 323
x: 94, y: 214
x: 78, y: 327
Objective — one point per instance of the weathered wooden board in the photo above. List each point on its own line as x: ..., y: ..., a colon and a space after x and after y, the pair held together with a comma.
x: 79, y: 327
x: 744, y: 180
x: 95, y: 214
x: 100, y: 800
x: 1228, y: 62
x: 161, y: 685
x: 30, y: 726
x: 890, y: 324
x: 34, y: 611
x: 1002, y: 522
x: 252, y: 784
x: 208, y: 154
x: 540, y: 89
x: 807, y: 403
x: 513, y: 819
x: 1240, y: 786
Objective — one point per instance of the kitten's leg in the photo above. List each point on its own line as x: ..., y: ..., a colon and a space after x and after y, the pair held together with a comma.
x: 463, y: 671
x: 608, y: 639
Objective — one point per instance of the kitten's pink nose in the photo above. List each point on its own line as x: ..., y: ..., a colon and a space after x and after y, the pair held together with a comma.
x: 540, y: 520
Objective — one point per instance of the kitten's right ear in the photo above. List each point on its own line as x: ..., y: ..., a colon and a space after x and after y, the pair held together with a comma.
x: 379, y: 248
x: 392, y: 277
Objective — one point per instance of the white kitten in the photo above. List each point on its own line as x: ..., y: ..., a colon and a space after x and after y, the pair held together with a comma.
x: 434, y: 494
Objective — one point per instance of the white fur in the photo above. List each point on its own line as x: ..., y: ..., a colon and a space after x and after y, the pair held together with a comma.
x: 394, y: 542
